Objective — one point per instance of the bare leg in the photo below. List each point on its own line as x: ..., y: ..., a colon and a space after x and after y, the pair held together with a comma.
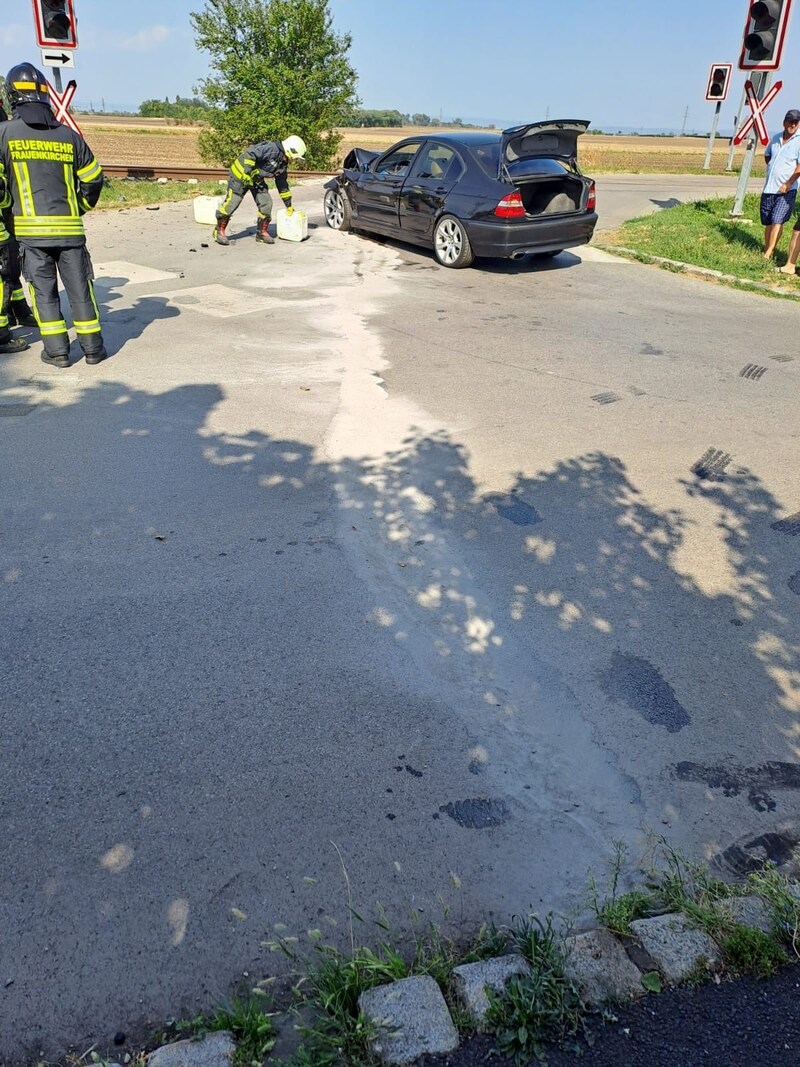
x: 772, y: 234
x: 794, y: 252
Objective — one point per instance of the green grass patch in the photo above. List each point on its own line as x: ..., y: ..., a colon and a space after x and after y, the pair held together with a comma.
x: 751, y: 951
x: 120, y: 193
x: 702, y: 234
x: 248, y: 1021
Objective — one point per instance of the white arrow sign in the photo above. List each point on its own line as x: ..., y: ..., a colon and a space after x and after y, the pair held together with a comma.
x: 54, y: 57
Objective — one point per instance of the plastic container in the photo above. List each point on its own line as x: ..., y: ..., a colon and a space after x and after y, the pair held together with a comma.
x: 292, y: 227
x: 205, y: 209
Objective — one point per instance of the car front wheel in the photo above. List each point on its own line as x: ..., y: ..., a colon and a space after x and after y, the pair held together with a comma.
x: 337, y: 210
x: 451, y: 244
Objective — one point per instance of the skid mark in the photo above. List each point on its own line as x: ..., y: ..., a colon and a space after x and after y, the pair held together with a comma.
x: 478, y: 813
x: 751, y: 855
x: 753, y: 372
x: 712, y: 465
x: 790, y: 525
x: 733, y: 780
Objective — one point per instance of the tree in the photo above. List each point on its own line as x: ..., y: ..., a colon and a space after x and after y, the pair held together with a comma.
x: 279, y: 69
x: 421, y: 119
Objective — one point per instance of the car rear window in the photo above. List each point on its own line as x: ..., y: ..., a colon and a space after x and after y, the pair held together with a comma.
x: 488, y: 155
x: 540, y: 167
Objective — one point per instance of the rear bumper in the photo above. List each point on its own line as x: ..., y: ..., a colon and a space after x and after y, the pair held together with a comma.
x: 503, y: 239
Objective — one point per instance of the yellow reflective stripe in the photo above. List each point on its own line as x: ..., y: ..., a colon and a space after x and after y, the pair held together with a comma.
x: 24, y: 182
x: 30, y: 84
x: 50, y: 329
x: 238, y: 171
x: 18, y: 294
x: 3, y: 318
x: 86, y: 329
x: 70, y: 186
x: 90, y: 171
x: 286, y: 196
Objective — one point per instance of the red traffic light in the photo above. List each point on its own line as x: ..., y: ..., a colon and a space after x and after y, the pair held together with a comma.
x: 719, y: 81
x: 55, y: 23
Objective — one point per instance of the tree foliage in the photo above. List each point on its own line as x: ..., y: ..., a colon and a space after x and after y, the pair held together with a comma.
x: 374, y: 117
x: 188, y: 108
x: 279, y: 69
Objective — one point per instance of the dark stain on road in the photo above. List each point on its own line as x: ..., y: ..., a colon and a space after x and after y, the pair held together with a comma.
x: 515, y: 510
x: 753, y: 372
x: 478, y: 813
x: 606, y: 398
x: 745, y: 857
x: 794, y: 583
x: 758, y: 781
x: 790, y: 525
x: 634, y: 681
x: 649, y: 350
x: 783, y: 359
x: 712, y: 465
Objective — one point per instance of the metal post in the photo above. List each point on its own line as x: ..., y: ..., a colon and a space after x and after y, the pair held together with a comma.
x: 736, y: 123
x: 713, y: 135
x: 747, y: 165
x: 57, y: 79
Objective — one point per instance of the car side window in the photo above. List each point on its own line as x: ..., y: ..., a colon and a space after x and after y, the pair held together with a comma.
x: 437, y: 162
x: 397, y: 162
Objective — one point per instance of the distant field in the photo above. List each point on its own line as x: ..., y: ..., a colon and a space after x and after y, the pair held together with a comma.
x: 142, y: 141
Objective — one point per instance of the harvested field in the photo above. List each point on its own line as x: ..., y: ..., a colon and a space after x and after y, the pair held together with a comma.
x: 155, y: 141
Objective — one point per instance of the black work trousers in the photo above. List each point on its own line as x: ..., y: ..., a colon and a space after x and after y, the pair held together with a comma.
x: 42, y: 265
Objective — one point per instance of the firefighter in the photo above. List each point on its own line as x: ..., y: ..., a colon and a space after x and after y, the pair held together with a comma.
x: 8, y: 344
x: 54, y: 180
x: 15, y: 307
x: 250, y: 171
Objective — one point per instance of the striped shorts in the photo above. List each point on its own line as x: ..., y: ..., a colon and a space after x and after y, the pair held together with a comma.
x: 776, y: 208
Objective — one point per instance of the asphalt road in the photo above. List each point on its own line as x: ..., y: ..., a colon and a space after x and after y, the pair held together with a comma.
x: 343, y: 554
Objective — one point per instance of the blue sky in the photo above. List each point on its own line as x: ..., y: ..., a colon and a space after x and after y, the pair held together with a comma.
x: 620, y: 63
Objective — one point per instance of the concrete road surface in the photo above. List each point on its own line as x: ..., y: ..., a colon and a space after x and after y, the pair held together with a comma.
x: 452, y: 577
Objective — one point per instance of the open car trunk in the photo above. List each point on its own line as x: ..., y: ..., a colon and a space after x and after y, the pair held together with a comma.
x: 551, y: 195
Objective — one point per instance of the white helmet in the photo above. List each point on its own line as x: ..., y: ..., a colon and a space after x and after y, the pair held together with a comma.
x: 295, y: 148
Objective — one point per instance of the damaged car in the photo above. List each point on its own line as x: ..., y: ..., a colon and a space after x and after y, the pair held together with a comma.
x: 468, y: 193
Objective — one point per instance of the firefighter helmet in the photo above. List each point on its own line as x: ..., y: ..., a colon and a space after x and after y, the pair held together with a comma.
x: 25, y: 84
x: 295, y: 148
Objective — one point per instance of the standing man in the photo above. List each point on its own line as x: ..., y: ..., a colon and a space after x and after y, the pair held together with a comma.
x: 15, y: 307
x: 780, y: 189
x: 54, y: 180
x: 250, y: 171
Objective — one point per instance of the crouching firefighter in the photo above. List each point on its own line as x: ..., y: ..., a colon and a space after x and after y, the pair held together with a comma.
x: 250, y: 173
x: 13, y: 304
x: 54, y: 180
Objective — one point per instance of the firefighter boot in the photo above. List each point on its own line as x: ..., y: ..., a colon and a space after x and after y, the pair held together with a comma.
x: 21, y: 314
x: 97, y: 353
x: 9, y: 345
x: 220, y: 236
x: 262, y: 232
x: 57, y: 358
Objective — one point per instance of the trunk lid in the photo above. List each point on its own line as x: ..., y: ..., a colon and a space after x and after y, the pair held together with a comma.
x: 553, y: 139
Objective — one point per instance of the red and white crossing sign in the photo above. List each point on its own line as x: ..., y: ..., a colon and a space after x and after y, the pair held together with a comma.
x: 758, y: 107
x: 61, y: 104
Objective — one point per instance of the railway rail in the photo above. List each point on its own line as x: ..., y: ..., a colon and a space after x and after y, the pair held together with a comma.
x: 181, y: 174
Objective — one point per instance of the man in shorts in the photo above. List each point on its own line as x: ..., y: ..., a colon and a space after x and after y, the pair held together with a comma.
x: 780, y: 189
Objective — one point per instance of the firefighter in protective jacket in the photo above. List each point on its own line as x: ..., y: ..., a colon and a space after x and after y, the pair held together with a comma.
x: 13, y: 305
x: 8, y: 344
x: 54, y: 180
x: 250, y: 172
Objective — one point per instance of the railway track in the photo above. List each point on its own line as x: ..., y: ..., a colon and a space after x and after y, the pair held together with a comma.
x: 182, y: 174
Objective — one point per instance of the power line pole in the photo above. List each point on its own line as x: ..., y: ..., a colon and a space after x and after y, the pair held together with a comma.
x: 685, y: 119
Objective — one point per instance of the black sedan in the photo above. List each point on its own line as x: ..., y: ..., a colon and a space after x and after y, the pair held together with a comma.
x: 467, y: 194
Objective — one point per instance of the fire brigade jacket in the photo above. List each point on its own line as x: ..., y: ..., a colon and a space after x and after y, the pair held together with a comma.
x: 54, y: 180
x: 262, y: 161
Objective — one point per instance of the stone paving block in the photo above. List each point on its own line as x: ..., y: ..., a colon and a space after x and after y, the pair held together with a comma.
x: 471, y: 980
x: 750, y: 911
x: 214, y: 1050
x: 413, y: 1019
x: 675, y: 946
x: 600, y: 967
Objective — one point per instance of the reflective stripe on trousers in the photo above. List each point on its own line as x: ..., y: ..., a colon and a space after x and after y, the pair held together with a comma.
x: 42, y: 267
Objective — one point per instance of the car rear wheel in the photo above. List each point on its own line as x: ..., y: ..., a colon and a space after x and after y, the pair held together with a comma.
x: 337, y: 210
x: 451, y: 244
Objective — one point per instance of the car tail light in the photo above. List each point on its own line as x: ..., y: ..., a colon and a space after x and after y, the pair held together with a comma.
x: 511, y: 207
x: 591, y: 203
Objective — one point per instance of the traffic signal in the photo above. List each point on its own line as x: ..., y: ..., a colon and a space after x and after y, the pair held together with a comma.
x: 718, y: 82
x: 764, y: 34
x: 55, y: 23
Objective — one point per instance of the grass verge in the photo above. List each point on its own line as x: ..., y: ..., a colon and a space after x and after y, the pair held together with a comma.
x: 702, y: 234
x: 121, y: 193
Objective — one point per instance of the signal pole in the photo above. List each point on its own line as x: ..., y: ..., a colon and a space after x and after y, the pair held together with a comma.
x: 736, y: 123
x: 713, y: 135
x: 760, y: 81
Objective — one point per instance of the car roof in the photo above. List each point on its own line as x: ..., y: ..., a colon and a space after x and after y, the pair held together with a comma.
x: 469, y: 138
